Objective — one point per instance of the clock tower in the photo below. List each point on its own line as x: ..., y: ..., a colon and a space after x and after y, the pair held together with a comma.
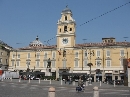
x: 66, y: 30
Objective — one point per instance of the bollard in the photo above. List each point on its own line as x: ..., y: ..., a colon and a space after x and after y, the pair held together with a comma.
x: 29, y: 80
x: 19, y: 79
x: 11, y: 79
x: 95, y: 92
x: 39, y: 80
x: 114, y: 83
x: 61, y: 81
x: 50, y: 81
x: 86, y: 83
x: 73, y: 83
x: 51, y: 92
x: 100, y: 83
x: 2, y: 79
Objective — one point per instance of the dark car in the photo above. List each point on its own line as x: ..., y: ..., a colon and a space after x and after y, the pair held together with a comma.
x: 119, y: 82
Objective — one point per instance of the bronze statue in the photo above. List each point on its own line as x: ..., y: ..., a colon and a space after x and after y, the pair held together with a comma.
x: 49, y: 63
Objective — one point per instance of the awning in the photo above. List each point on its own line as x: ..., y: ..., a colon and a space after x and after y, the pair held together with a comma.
x: 108, y: 71
x: 87, y: 72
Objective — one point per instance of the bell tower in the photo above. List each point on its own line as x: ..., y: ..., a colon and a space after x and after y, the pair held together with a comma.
x: 66, y: 29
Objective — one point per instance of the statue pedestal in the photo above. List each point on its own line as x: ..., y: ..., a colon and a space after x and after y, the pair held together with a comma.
x: 48, y: 72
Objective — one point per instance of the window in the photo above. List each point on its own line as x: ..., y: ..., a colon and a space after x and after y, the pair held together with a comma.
x: 65, y: 18
x: 98, y: 53
x: 45, y: 64
x: 53, y: 55
x: 6, y: 61
x: 53, y: 63
x: 28, y: 56
x: 65, y: 28
x: 18, y: 56
x: 13, y: 56
x: 122, y: 53
x: 76, y: 63
x: 45, y: 55
x: 85, y: 54
x: 64, y: 63
x: 70, y: 29
x: 0, y: 60
x: 85, y: 63
x: 38, y: 55
x: 111, y: 41
x: 1, y: 53
x: 108, y: 53
x: 60, y: 29
x: 108, y: 63
x: 98, y: 63
x: 13, y: 63
x: 28, y: 63
x: 18, y: 63
x: 37, y: 63
x: 76, y: 54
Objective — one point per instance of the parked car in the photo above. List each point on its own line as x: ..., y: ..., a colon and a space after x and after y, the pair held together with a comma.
x: 119, y: 82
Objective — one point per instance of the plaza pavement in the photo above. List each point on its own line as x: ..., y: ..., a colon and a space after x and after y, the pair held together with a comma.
x: 14, y: 88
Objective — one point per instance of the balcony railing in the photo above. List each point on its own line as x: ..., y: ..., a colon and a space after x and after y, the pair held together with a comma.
x: 64, y: 68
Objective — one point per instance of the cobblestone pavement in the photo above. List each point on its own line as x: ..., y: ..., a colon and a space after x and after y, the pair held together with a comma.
x: 36, y: 89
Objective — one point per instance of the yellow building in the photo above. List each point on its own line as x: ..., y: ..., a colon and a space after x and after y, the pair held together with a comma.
x: 67, y: 57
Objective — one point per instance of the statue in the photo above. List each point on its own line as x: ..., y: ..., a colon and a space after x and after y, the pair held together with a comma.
x: 49, y: 63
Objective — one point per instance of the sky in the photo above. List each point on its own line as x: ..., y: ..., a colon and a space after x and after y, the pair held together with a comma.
x: 22, y: 20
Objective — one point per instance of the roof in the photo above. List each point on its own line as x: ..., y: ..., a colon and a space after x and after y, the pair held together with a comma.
x: 36, y: 42
x: 66, y: 10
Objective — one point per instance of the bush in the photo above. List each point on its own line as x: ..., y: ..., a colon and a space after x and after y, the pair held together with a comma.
x: 49, y: 77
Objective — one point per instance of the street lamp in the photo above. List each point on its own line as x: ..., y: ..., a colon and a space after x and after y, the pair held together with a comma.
x: 28, y: 63
x: 98, y: 64
x: 91, y: 53
x: 90, y: 64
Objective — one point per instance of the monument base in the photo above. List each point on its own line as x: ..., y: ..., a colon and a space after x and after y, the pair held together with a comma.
x: 48, y: 72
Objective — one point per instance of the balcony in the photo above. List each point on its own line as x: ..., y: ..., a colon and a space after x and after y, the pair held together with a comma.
x: 64, y: 68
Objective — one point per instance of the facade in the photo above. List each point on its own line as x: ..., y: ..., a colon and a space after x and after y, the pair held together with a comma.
x: 107, y: 57
x: 4, y: 55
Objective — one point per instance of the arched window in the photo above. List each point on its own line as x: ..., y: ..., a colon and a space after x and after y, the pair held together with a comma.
x: 60, y: 29
x: 65, y: 18
x: 65, y: 28
x: 70, y: 29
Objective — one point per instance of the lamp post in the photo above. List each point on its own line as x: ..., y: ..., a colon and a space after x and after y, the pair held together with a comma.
x: 28, y: 69
x: 91, y: 53
x: 90, y: 64
x: 98, y: 70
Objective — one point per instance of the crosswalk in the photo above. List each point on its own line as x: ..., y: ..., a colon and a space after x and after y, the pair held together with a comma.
x: 66, y: 89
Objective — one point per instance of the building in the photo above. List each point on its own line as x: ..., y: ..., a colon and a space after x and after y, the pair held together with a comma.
x: 4, y: 55
x: 101, y: 60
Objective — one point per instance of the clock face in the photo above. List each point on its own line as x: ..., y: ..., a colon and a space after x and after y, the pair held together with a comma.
x: 65, y: 40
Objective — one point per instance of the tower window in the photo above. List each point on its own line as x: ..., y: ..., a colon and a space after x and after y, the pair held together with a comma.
x: 65, y: 18
x: 60, y: 29
x: 70, y: 29
x: 65, y: 28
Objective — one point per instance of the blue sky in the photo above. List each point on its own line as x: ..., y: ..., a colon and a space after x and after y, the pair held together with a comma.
x: 22, y: 20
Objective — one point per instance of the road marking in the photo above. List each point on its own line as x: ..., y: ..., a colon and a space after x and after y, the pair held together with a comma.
x: 3, y: 85
x: 125, y: 94
x: 113, y: 90
x: 32, y: 88
x: 111, y: 93
x: 34, y: 85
